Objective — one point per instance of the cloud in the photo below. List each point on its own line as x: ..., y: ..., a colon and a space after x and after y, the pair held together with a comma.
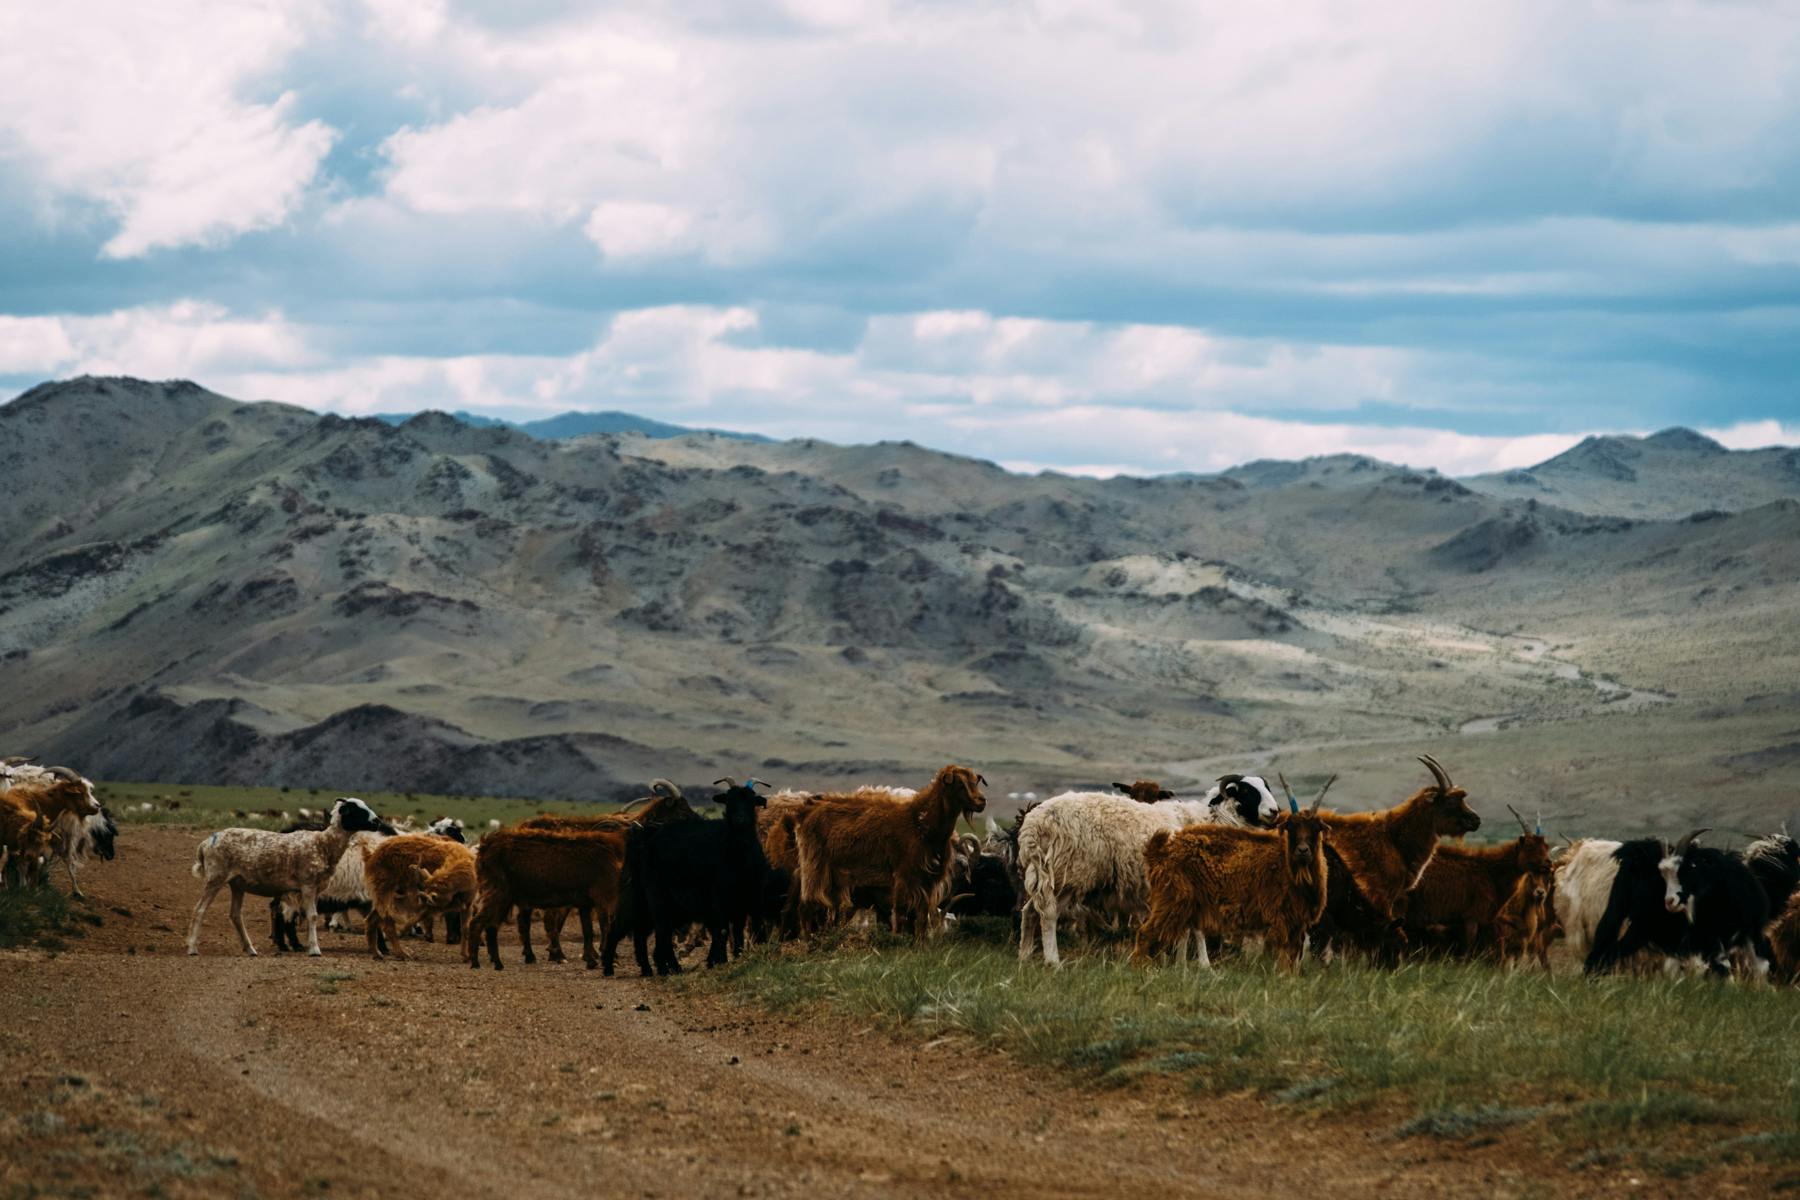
x: 187, y: 339
x: 139, y: 109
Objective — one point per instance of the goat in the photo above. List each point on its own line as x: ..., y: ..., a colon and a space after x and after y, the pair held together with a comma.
x: 26, y: 836
x: 682, y: 872
x: 1145, y: 791
x: 1378, y: 858
x: 1464, y: 887
x: 273, y: 864
x: 980, y: 884
x: 1584, y: 881
x: 1726, y: 907
x: 844, y: 843
x: 543, y: 868
x: 1521, y: 926
x: 1226, y: 881
x: 1775, y: 861
x: 400, y: 871
x: 1784, y: 942
x: 1081, y: 849
x: 67, y: 799
x: 1635, y: 917
x: 664, y: 803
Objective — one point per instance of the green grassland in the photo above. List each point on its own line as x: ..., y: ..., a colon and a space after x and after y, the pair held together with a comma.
x: 1674, y: 1074
x: 191, y: 804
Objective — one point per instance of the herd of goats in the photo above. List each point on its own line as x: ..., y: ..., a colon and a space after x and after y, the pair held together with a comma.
x: 1233, y: 867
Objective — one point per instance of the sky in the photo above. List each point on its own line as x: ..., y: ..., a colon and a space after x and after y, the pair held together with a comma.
x: 1094, y: 237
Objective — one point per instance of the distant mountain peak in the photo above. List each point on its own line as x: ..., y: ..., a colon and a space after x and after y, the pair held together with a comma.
x: 1679, y: 437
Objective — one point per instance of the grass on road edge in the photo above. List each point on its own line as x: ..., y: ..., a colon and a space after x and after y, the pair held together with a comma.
x: 1674, y: 1074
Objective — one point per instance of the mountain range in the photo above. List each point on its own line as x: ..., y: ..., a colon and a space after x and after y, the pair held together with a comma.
x: 194, y: 589
x: 580, y: 424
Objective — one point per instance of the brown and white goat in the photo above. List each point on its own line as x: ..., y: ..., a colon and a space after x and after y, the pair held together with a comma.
x: 68, y: 800
x: 1379, y: 857
x: 397, y: 871
x: 1463, y: 888
x: 1221, y: 881
x: 543, y: 868
x: 848, y: 843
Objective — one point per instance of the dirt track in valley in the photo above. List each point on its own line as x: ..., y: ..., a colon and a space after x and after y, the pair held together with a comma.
x: 131, y: 1069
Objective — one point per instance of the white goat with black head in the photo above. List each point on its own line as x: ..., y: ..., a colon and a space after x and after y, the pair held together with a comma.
x: 262, y: 863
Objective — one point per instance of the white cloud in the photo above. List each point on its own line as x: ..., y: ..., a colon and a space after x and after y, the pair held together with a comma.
x: 141, y: 108
x: 187, y: 339
x: 1754, y: 435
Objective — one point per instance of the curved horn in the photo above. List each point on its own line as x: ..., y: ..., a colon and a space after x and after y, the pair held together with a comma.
x: 1437, y: 772
x: 662, y: 787
x: 1523, y: 827
x: 727, y: 780
x: 1684, y: 843
x: 631, y: 804
x: 18, y: 760
x: 756, y: 783
x: 1321, y: 796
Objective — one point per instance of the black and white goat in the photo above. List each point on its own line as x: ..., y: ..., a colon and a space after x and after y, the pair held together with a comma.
x: 1636, y: 917
x: 1726, y: 907
x: 262, y: 863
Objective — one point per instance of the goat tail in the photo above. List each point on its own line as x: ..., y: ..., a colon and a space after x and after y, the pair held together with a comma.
x: 199, y: 867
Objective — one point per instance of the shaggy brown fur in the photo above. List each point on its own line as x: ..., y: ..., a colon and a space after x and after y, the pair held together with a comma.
x: 1463, y: 889
x: 1521, y: 926
x: 1222, y: 881
x: 1145, y: 791
x: 845, y: 843
x: 1784, y: 939
x: 392, y: 872
x: 25, y: 837
x: 664, y: 803
x: 543, y: 868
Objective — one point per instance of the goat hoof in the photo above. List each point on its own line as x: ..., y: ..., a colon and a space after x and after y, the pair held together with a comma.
x: 193, y: 952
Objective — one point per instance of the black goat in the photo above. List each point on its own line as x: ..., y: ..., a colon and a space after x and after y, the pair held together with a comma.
x: 1775, y: 861
x: 980, y: 885
x: 1636, y: 916
x: 676, y: 874
x: 1727, y: 909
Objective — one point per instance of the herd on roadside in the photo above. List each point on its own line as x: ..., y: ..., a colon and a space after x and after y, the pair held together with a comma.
x: 1234, y: 867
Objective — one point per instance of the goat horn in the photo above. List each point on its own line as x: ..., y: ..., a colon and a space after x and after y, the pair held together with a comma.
x: 959, y: 896
x: 1293, y: 804
x: 1318, y: 799
x: 65, y: 773
x: 1523, y: 827
x: 727, y: 780
x: 1437, y: 772
x: 663, y: 787
x: 756, y: 783
x: 18, y: 760
x: 631, y: 804
x: 1684, y: 843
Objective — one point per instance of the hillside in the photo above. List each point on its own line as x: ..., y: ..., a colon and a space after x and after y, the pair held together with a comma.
x: 1668, y: 474
x: 197, y: 589
x: 579, y: 424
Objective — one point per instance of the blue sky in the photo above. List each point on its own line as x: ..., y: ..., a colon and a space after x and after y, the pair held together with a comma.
x: 1096, y: 237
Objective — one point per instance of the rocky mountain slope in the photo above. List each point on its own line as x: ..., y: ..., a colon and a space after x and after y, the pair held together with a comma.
x: 194, y: 589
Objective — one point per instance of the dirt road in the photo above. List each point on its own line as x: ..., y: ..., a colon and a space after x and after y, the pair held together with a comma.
x: 131, y: 1069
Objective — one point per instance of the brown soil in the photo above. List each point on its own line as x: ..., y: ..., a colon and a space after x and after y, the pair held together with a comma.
x: 131, y: 1069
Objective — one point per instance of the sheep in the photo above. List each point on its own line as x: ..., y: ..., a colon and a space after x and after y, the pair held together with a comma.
x: 344, y: 892
x: 26, y: 837
x: 1221, y: 880
x: 846, y: 843
x: 398, y: 873
x: 682, y: 872
x: 543, y: 868
x: 449, y: 828
x: 1463, y: 889
x: 1080, y: 848
x: 273, y: 864
x: 67, y: 799
x: 1243, y: 800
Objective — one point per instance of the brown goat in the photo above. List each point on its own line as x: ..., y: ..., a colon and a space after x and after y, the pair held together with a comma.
x: 1521, y: 926
x: 543, y: 868
x: 1222, y: 881
x: 664, y: 803
x: 846, y: 843
x: 1784, y: 940
x: 392, y: 869
x: 1145, y: 791
x: 1383, y: 855
x: 1463, y: 888
x: 25, y: 838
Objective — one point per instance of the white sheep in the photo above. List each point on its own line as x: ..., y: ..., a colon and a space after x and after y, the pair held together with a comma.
x: 262, y: 863
x: 343, y: 891
x: 1080, y: 849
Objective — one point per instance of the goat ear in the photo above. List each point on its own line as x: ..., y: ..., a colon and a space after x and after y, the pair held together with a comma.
x: 1164, y: 794
x: 1123, y: 787
x: 982, y: 780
